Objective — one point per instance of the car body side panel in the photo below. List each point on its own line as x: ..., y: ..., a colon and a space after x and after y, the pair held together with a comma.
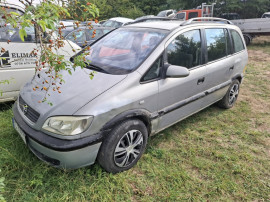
x: 129, y: 94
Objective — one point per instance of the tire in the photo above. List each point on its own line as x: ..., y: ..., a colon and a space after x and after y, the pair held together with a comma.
x: 247, y: 40
x: 231, y: 96
x: 130, y: 139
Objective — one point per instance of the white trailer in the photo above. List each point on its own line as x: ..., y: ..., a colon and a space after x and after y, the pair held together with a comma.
x: 253, y: 27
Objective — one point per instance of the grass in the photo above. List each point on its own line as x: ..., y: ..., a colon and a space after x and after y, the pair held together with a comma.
x: 214, y: 155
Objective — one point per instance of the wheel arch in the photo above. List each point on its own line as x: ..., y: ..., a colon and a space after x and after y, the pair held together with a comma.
x: 238, y: 77
x: 141, y: 114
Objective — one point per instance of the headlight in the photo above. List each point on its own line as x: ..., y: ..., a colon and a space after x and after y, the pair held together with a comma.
x: 67, y: 125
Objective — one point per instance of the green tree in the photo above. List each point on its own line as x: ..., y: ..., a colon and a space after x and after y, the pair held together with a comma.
x: 112, y: 8
x: 152, y: 7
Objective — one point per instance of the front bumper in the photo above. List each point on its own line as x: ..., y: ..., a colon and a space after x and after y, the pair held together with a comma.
x: 69, y: 154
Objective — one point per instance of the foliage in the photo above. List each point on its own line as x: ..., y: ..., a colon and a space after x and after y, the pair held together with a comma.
x: 111, y: 8
x: 2, y: 185
x: 2, y: 82
x: 152, y: 7
x: 246, y: 9
x: 45, y: 16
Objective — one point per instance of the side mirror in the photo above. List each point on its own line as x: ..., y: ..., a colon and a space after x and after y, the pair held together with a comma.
x: 174, y: 71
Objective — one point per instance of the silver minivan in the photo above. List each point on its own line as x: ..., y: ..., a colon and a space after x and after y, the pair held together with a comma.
x: 149, y: 76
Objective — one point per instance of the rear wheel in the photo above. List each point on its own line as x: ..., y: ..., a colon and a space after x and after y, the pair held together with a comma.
x: 231, y: 96
x: 124, y: 146
x: 247, y: 40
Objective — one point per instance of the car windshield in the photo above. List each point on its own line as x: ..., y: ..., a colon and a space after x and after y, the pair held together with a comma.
x: 123, y: 50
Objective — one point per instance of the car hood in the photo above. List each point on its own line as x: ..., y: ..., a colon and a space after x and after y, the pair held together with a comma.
x: 76, y: 91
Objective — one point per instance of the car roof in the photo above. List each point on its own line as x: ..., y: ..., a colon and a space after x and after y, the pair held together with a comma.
x: 171, y: 25
x: 167, y: 25
x: 122, y: 19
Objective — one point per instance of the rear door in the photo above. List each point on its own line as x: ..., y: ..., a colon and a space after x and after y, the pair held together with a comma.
x: 220, y: 63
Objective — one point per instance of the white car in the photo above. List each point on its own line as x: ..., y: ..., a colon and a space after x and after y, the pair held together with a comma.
x: 117, y: 22
x: 266, y: 15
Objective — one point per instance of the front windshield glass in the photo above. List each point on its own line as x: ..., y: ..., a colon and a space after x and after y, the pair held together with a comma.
x: 123, y: 50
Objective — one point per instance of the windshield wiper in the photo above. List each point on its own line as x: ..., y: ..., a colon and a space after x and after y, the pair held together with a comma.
x: 96, y: 68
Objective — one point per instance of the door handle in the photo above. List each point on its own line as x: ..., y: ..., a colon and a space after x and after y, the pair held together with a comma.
x: 231, y: 68
x: 200, y: 81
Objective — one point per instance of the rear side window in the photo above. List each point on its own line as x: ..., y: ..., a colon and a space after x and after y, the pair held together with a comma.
x: 237, y: 41
x: 185, y: 49
x: 216, y: 44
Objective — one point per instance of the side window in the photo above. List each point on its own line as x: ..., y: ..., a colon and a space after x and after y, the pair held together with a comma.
x: 10, y: 33
x: 228, y: 42
x: 185, y: 49
x: 216, y: 44
x: 192, y: 15
x: 154, y: 71
x: 237, y: 41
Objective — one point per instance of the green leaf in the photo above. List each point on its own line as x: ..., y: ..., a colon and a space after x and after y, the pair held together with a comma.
x: 14, y: 13
x: 22, y: 33
x: 43, y: 25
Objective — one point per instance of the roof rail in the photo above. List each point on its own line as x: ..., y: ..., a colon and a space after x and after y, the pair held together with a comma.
x: 188, y: 22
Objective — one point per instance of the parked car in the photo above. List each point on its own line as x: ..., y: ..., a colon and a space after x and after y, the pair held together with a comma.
x: 92, y: 23
x: 154, y: 18
x: 167, y: 13
x: 150, y: 76
x: 102, y: 22
x: 143, y: 17
x: 266, y: 15
x: 117, y: 22
x: 84, y: 36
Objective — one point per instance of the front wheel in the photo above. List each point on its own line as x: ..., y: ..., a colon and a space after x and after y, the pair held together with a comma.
x: 124, y: 146
x: 231, y: 96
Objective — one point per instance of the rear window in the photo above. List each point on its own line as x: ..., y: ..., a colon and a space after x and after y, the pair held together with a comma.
x: 237, y: 41
x: 216, y: 44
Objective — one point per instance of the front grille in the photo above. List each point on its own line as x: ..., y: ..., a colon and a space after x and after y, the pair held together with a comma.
x: 29, y: 112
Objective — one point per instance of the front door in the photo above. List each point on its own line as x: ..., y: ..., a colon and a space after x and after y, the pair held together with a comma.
x: 180, y: 97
